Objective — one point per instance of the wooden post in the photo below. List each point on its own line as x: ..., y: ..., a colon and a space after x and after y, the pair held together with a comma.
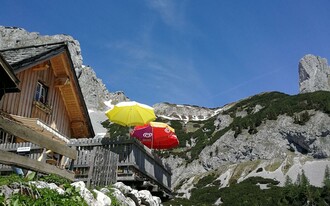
x: 91, y: 167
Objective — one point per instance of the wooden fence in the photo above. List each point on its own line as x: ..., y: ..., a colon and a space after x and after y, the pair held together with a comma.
x: 35, y: 152
x: 96, y: 166
x: 103, y: 161
x: 136, y: 163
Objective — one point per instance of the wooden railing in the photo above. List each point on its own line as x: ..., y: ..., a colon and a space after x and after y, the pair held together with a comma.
x: 135, y: 161
x: 103, y: 161
x: 31, y: 157
x: 97, y: 166
x: 25, y: 133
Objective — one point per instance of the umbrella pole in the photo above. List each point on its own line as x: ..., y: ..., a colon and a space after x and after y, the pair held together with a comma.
x: 152, y: 137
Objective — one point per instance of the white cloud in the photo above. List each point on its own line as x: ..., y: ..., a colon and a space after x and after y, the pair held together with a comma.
x: 171, y: 12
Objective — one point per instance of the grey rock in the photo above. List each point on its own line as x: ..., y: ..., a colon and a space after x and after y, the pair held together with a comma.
x: 102, y: 199
x: 85, y: 193
x: 272, y: 141
x: 122, y: 187
x: 314, y: 74
x: 222, y: 121
x: 147, y: 199
x: 133, y: 195
x: 12, y: 37
x: 183, y: 112
x: 121, y: 198
x: 6, y: 191
x: 52, y: 186
x: 95, y: 92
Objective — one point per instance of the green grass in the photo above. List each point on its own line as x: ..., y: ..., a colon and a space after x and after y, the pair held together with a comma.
x: 6, y: 180
x: 31, y: 195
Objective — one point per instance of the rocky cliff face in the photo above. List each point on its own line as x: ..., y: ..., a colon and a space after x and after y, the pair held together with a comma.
x: 11, y: 37
x: 95, y: 92
x: 183, y: 112
x: 97, y: 98
x: 281, y: 147
x: 314, y: 74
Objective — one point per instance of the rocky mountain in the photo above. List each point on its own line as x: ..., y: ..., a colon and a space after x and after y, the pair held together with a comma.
x: 270, y: 135
x: 267, y: 135
x: 183, y: 112
x: 98, y: 98
x: 17, y: 37
x: 314, y: 74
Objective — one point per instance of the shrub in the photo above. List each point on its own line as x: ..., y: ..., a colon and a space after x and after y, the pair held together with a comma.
x: 248, y: 192
x: 114, y: 201
x: 30, y: 195
x: 6, y: 180
x: 52, y: 178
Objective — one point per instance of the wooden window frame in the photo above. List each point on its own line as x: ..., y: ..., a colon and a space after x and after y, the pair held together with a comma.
x: 41, y: 93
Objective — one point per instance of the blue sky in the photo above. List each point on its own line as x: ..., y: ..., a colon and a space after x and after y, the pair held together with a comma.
x: 206, y: 53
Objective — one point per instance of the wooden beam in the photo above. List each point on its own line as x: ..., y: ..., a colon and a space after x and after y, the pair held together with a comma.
x: 41, y: 67
x: 61, y: 81
x: 9, y: 158
x: 77, y: 124
x: 30, y: 135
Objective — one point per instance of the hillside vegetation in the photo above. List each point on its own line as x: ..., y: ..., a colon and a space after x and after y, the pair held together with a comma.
x: 249, y: 193
x: 204, y: 133
x: 246, y: 115
x: 272, y: 105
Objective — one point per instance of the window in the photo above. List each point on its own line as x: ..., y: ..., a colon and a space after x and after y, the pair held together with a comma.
x: 41, y: 93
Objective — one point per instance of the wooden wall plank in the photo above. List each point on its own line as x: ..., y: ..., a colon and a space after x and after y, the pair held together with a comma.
x: 9, y: 158
x: 30, y: 135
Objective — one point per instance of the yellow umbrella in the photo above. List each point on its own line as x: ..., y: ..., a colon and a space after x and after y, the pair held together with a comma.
x: 131, y: 114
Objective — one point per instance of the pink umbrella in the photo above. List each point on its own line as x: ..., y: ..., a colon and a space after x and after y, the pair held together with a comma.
x: 156, y: 135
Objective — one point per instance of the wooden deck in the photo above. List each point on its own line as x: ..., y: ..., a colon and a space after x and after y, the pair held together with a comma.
x: 137, y: 165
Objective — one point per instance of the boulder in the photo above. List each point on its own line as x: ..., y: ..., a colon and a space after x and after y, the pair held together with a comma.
x: 85, y: 193
x: 102, y: 199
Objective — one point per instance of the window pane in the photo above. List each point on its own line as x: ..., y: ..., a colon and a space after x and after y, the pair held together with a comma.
x: 41, y: 93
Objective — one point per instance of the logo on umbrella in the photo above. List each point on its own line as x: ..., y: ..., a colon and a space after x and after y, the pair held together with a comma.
x: 147, y: 135
x: 167, y: 130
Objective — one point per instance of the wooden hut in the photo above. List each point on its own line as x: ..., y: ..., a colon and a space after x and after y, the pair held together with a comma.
x: 49, y: 109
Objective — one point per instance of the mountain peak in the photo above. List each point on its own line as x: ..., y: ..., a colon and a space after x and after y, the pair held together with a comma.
x: 314, y: 74
x: 183, y: 112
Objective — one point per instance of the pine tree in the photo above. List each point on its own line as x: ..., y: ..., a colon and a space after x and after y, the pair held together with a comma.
x: 288, y: 181
x: 304, y: 181
x: 298, y: 180
x: 326, y: 179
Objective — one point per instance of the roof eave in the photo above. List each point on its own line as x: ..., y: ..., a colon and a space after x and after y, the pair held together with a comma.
x: 81, y: 97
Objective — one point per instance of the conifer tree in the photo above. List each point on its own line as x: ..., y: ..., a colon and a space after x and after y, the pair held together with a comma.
x: 304, y: 181
x: 298, y: 180
x: 326, y: 179
x: 288, y: 181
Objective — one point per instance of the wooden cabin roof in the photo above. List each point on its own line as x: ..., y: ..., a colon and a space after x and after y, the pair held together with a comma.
x: 58, y: 55
x: 9, y: 81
